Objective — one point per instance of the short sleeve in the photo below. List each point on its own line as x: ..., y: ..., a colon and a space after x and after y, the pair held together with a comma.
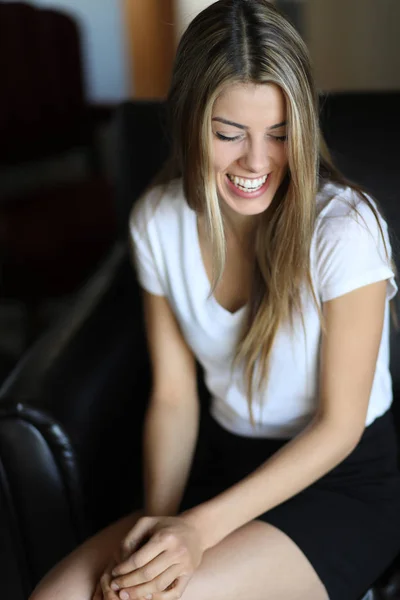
x: 351, y: 253
x: 145, y: 247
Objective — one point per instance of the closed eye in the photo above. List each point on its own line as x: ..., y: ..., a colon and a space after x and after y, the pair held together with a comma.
x: 279, y: 138
x: 225, y: 138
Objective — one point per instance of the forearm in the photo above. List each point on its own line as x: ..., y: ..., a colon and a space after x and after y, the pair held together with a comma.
x: 170, y: 434
x: 297, y: 465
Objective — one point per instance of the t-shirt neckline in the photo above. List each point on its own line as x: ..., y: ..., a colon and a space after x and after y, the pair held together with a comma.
x: 213, y: 305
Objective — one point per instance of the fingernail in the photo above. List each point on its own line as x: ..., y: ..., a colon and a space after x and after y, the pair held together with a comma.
x: 149, y: 597
x: 124, y: 596
x: 114, y: 586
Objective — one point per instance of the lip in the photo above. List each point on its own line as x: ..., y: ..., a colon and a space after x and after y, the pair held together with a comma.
x: 249, y: 178
x: 248, y: 195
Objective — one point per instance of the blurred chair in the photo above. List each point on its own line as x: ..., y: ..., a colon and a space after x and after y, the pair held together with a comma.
x: 51, y: 238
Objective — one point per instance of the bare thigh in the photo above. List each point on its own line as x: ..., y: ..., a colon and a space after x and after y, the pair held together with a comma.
x: 255, y: 562
x: 75, y: 577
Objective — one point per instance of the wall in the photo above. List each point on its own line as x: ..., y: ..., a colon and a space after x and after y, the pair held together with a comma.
x: 107, y: 76
x: 149, y: 26
x: 355, y: 44
x: 185, y: 11
x: 294, y: 10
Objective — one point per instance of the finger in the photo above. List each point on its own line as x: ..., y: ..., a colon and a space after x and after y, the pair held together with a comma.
x: 108, y: 593
x: 132, y: 547
x: 153, y: 548
x: 147, y: 573
x: 137, y: 536
x: 156, y: 586
x: 98, y: 594
x: 176, y: 589
x: 161, y: 595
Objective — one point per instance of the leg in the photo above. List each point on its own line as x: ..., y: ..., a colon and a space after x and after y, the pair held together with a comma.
x: 252, y: 563
x: 255, y: 562
x: 75, y: 577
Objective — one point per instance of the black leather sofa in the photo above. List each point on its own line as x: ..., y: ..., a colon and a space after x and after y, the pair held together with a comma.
x: 71, y: 410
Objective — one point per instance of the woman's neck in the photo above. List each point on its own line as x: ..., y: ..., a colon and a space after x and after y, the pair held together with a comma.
x: 237, y: 240
x: 240, y: 230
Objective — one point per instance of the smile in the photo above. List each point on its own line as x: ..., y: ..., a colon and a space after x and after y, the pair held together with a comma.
x: 248, y: 185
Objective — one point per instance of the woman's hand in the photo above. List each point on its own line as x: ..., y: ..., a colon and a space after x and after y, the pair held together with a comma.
x: 168, y: 559
x: 103, y: 590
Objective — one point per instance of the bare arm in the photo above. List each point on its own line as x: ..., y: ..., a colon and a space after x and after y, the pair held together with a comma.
x: 348, y: 360
x: 172, y: 417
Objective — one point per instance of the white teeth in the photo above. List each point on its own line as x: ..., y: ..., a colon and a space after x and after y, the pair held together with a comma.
x: 248, y: 184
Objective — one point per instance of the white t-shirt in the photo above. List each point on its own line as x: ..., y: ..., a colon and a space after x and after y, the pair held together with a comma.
x: 346, y: 253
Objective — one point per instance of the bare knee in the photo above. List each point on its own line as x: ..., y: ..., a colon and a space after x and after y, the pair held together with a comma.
x: 77, y: 575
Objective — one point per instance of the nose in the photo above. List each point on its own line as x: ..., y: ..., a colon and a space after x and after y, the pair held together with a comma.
x: 255, y: 158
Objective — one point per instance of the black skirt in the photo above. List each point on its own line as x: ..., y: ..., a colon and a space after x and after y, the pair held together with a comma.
x: 347, y: 523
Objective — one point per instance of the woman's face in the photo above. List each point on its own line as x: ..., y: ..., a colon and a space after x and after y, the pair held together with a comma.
x: 249, y: 149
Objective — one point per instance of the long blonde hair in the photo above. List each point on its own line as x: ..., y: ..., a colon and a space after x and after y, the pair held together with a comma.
x: 250, y: 41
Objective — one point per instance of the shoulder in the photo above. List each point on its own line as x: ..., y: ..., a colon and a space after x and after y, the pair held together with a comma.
x: 335, y: 201
x: 351, y: 246
x: 342, y: 211
x: 154, y: 228
x: 158, y: 207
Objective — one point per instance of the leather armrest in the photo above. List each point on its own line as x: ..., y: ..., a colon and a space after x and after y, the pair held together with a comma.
x: 40, y: 501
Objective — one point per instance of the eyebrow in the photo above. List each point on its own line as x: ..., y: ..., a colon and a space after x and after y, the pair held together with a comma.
x: 239, y: 126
